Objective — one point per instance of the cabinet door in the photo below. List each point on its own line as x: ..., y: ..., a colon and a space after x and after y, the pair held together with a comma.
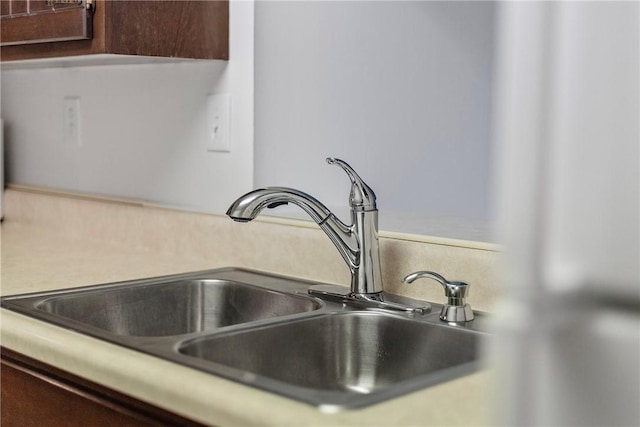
x: 35, y: 394
x: 39, y: 21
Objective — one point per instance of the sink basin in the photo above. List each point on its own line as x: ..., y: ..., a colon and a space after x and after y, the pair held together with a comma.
x: 189, y: 303
x: 174, y: 308
x: 266, y: 331
x: 344, y: 360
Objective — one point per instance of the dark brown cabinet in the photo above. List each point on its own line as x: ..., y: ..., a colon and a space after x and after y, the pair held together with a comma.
x: 36, y: 394
x: 32, y: 29
x: 31, y: 21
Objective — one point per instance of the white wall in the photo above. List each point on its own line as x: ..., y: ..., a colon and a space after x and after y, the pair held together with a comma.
x: 143, y: 127
x: 400, y: 90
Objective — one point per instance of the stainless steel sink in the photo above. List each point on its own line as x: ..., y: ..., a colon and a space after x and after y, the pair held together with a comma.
x: 174, y: 308
x: 265, y: 331
x: 345, y: 359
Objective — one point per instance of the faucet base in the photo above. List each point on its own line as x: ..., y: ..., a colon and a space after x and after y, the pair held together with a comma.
x: 376, y: 300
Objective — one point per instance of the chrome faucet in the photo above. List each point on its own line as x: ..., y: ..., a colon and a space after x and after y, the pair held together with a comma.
x: 357, y: 243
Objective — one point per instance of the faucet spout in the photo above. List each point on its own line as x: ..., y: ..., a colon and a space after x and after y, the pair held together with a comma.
x: 247, y: 207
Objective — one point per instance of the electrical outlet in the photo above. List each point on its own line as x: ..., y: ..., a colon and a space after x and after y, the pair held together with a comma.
x: 218, y: 123
x: 72, y: 121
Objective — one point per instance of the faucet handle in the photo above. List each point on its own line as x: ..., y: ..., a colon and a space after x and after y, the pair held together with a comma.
x: 456, y: 310
x: 362, y: 197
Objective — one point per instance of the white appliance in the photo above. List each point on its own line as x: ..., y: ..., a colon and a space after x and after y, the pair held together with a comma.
x: 568, y: 341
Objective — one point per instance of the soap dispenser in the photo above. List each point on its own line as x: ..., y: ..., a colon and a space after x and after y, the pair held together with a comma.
x: 456, y: 310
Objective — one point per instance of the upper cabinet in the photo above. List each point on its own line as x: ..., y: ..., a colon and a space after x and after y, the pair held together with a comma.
x: 32, y: 29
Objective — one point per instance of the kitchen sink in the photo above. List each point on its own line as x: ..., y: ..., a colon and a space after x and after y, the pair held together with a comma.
x: 266, y: 331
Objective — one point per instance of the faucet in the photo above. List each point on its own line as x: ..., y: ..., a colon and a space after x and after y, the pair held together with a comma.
x: 357, y: 243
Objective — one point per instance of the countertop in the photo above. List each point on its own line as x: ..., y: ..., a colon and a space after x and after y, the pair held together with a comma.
x: 36, y: 257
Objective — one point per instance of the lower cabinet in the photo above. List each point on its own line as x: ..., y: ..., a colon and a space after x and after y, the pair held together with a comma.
x: 36, y: 394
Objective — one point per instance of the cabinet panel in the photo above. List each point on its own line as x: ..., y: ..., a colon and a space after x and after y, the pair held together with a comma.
x: 186, y: 29
x: 35, y: 394
x: 38, y: 21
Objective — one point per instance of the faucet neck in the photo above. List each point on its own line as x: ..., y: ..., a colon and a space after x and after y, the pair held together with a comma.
x: 358, y: 245
x: 367, y: 278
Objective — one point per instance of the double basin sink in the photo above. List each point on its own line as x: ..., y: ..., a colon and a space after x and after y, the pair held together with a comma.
x: 266, y: 331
